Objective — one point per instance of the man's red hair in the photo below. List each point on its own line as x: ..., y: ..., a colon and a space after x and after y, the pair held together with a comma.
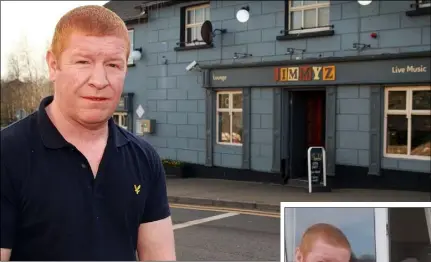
x: 89, y: 20
x: 325, y: 232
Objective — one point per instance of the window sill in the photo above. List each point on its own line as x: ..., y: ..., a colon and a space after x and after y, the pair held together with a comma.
x: 131, y: 65
x: 305, y: 35
x: 228, y: 144
x: 193, y: 47
x: 407, y: 157
x: 419, y: 11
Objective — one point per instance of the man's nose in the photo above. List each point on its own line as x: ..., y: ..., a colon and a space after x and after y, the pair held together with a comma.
x: 98, y: 77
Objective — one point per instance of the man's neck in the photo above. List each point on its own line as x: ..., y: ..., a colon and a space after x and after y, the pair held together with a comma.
x: 73, y: 131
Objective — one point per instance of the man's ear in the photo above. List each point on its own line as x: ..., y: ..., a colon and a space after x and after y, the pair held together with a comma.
x: 298, y: 255
x: 52, y: 63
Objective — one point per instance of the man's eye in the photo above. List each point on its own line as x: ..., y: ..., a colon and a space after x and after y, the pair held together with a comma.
x: 114, y: 65
x: 82, y: 62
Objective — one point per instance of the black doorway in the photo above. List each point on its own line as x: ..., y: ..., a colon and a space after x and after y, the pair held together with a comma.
x: 306, y: 128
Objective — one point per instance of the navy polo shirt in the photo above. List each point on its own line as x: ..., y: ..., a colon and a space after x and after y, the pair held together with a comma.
x: 53, y: 208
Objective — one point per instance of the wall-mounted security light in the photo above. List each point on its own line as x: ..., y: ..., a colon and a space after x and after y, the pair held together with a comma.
x: 137, y: 54
x: 193, y: 66
x: 364, y: 2
x: 243, y: 14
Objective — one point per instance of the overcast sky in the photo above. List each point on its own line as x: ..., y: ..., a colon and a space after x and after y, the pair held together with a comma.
x: 33, y: 20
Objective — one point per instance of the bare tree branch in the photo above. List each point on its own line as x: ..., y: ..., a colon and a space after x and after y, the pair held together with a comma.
x: 25, y: 84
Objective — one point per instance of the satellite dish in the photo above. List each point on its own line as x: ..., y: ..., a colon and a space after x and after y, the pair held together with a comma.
x: 207, y: 32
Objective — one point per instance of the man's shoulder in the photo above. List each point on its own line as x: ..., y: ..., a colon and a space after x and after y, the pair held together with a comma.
x: 140, y: 143
x: 18, y: 133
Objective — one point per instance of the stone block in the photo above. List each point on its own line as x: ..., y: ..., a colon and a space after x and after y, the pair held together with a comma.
x: 177, y: 118
x: 187, y: 131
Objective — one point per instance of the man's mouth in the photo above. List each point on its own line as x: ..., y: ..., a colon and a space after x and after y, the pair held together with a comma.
x: 95, y: 98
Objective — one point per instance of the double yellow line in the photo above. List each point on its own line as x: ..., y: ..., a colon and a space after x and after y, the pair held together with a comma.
x: 223, y: 209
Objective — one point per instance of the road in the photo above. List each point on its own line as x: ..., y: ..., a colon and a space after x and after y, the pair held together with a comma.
x: 207, y: 233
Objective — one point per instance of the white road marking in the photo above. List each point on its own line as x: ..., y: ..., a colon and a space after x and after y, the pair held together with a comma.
x: 204, y: 220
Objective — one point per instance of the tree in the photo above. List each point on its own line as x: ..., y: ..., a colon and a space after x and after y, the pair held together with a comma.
x: 25, y: 85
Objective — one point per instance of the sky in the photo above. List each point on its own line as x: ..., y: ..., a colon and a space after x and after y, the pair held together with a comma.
x: 32, y: 22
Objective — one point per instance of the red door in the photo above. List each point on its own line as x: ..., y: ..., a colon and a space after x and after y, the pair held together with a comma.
x: 314, y: 120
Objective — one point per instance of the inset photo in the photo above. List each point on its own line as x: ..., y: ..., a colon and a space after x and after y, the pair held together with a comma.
x: 335, y: 232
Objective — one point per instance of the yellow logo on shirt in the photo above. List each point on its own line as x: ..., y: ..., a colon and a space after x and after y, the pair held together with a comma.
x: 137, y: 188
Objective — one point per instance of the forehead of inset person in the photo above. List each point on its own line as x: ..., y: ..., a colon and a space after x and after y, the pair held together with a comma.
x: 322, y: 251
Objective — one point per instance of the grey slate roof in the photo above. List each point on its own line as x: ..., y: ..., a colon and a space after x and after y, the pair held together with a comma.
x: 130, y: 10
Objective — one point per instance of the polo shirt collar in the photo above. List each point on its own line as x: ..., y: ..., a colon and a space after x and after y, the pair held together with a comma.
x: 52, y: 138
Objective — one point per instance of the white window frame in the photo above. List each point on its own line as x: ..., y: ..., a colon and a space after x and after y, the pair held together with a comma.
x: 307, y: 7
x: 288, y: 227
x: 132, y: 39
x: 422, y: 4
x: 121, y: 118
x: 230, y: 110
x: 195, y: 25
x: 408, y: 112
x: 428, y: 219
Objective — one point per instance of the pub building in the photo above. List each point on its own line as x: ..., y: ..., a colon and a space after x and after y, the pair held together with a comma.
x: 372, y: 115
x: 230, y: 115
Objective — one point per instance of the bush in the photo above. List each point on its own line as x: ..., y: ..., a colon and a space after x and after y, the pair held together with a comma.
x: 172, y: 163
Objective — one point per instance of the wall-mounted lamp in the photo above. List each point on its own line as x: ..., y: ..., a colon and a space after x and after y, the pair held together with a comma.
x: 137, y: 54
x: 364, y: 2
x: 243, y: 14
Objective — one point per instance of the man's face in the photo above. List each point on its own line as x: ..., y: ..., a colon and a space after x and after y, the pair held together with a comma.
x: 322, y: 252
x: 89, y: 77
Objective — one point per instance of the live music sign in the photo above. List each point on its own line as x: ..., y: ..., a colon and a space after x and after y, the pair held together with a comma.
x: 305, y: 73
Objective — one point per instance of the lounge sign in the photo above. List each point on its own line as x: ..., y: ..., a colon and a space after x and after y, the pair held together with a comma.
x: 305, y: 73
x: 379, y: 72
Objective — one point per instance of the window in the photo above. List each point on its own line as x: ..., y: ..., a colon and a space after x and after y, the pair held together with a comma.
x: 424, y: 3
x: 308, y: 16
x: 131, y: 37
x: 407, y: 131
x: 229, y: 118
x: 195, y: 16
x: 409, y: 234
x: 121, y: 119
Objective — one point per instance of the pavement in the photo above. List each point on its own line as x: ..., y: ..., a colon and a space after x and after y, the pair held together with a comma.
x: 210, y: 233
x: 267, y: 197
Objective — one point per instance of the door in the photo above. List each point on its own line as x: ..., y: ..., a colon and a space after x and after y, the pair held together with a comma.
x: 315, y: 118
x: 298, y: 135
x: 364, y: 228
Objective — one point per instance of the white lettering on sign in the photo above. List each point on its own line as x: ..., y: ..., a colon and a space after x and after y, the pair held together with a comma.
x: 219, y: 78
x: 409, y: 69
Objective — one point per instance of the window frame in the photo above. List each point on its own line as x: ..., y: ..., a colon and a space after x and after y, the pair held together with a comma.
x: 291, y: 9
x: 121, y: 116
x: 230, y: 110
x: 421, y: 4
x: 408, y: 112
x: 130, y: 61
x: 186, y: 26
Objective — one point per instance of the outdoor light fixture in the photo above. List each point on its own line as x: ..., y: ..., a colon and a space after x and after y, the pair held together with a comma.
x: 243, y: 14
x: 137, y: 54
x: 364, y: 2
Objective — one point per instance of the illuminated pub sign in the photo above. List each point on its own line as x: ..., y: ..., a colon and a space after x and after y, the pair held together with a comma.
x: 305, y: 73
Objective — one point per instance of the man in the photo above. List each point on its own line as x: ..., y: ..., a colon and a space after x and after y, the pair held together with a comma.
x: 323, y: 243
x: 74, y: 185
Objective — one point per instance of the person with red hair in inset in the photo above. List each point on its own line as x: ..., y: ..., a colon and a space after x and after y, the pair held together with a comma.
x: 323, y: 243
